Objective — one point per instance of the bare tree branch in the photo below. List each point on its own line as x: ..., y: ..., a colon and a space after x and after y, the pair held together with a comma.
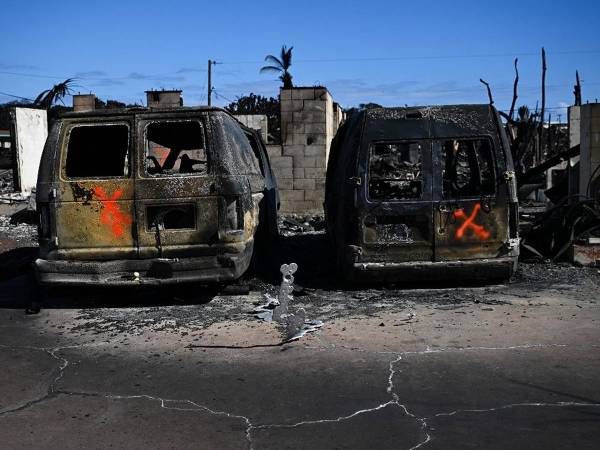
x: 489, y: 91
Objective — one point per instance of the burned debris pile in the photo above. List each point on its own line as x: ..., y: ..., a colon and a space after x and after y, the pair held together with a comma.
x: 291, y: 224
x: 556, y: 168
x: 555, y: 231
x: 6, y: 181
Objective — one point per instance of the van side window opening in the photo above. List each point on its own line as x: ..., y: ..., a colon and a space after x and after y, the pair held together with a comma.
x: 468, y: 168
x: 175, y: 148
x: 395, y: 171
x: 98, y: 151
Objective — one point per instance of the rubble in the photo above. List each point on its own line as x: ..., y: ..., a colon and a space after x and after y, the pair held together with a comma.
x: 291, y: 224
x: 6, y: 182
x: 17, y: 231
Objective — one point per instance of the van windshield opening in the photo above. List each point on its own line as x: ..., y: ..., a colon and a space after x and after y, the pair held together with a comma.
x: 97, y: 151
x: 395, y: 171
x: 468, y: 168
x: 175, y: 148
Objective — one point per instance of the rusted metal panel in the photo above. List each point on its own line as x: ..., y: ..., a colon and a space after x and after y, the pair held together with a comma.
x: 95, y: 218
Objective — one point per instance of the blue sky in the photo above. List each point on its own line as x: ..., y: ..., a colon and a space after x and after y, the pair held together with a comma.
x: 389, y: 52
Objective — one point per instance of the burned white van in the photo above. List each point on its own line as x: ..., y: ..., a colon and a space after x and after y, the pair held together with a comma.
x: 423, y: 193
x: 142, y: 196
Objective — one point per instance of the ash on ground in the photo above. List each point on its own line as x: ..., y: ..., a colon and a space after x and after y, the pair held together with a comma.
x: 22, y: 233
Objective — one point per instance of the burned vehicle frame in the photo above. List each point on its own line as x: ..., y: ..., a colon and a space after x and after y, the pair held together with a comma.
x: 422, y: 193
x: 152, y: 196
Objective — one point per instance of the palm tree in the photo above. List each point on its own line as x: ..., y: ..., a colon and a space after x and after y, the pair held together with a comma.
x: 281, y: 65
x: 50, y: 96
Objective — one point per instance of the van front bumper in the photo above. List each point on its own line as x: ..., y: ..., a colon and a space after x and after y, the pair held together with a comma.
x: 139, y: 272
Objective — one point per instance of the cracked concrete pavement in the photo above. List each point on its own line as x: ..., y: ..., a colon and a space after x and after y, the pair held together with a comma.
x: 493, y: 366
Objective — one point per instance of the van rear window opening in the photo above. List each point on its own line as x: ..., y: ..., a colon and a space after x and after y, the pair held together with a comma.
x: 395, y: 171
x: 175, y: 148
x: 468, y: 168
x: 98, y: 151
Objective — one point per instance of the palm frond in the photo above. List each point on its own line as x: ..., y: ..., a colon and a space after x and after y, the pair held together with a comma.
x: 286, y: 56
x: 274, y: 60
x: 50, y: 96
x: 270, y: 69
x: 39, y: 98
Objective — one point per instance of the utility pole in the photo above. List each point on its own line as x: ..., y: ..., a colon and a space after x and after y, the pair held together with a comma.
x: 210, y: 63
x: 210, y: 87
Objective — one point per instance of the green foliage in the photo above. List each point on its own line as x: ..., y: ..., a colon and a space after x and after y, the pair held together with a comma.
x: 257, y: 104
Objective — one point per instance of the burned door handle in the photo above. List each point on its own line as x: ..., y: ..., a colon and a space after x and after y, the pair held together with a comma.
x: 355, y: 181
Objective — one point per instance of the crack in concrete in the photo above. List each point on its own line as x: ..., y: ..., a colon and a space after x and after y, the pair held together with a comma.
x: 333, y: 420
x: 194, y: 406
x: 518, y: 405
x: 394, y: 401
x: 390, y: 390
x: 51, y: 390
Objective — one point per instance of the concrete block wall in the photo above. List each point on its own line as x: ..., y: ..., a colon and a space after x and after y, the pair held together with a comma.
x: 584, y: 129
x: 309, y: 121
x: 258, y: 122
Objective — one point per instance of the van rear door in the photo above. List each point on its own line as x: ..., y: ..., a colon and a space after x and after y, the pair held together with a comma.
x: 176, y: 204
x: 94, y: 199
x: 471, y: 215
x: 397, y: 224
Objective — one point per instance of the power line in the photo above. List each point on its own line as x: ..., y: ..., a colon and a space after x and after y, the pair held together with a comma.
x: 427, y: 57
x: 222, y: 96
x: 30, y: 75
x: 336, y: 60
x: 16, y: 96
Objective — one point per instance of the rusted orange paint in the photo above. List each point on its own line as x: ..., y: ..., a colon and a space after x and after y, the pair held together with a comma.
x: 111, y: 212
x: 469, y: 223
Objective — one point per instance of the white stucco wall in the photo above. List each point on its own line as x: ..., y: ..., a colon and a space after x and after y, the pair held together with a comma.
x: 31, y: 131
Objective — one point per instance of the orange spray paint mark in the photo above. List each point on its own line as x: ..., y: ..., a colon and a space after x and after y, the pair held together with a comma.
x: 469, y: 224
x: 111, y: 212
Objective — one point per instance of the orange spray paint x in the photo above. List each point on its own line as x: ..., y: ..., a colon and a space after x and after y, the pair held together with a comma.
x: 111, y: 213
x: 469, y: 223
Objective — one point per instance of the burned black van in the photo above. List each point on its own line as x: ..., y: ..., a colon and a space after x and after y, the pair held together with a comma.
x: 151, y: 196
x: 423, y: 193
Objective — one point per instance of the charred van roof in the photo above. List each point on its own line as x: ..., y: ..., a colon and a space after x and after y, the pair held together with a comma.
x: 427, y: 121
x: 143, y: 110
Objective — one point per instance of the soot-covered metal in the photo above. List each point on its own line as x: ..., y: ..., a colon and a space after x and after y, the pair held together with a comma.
x: 422, y: 192
x: 121, y: 192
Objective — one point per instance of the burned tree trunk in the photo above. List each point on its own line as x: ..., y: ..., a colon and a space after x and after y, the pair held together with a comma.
x: 543, y: 111
x: 515, y: 96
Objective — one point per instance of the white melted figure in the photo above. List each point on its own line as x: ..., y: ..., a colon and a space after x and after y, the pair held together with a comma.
x: 285, y: 290
x: 294, y: 320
